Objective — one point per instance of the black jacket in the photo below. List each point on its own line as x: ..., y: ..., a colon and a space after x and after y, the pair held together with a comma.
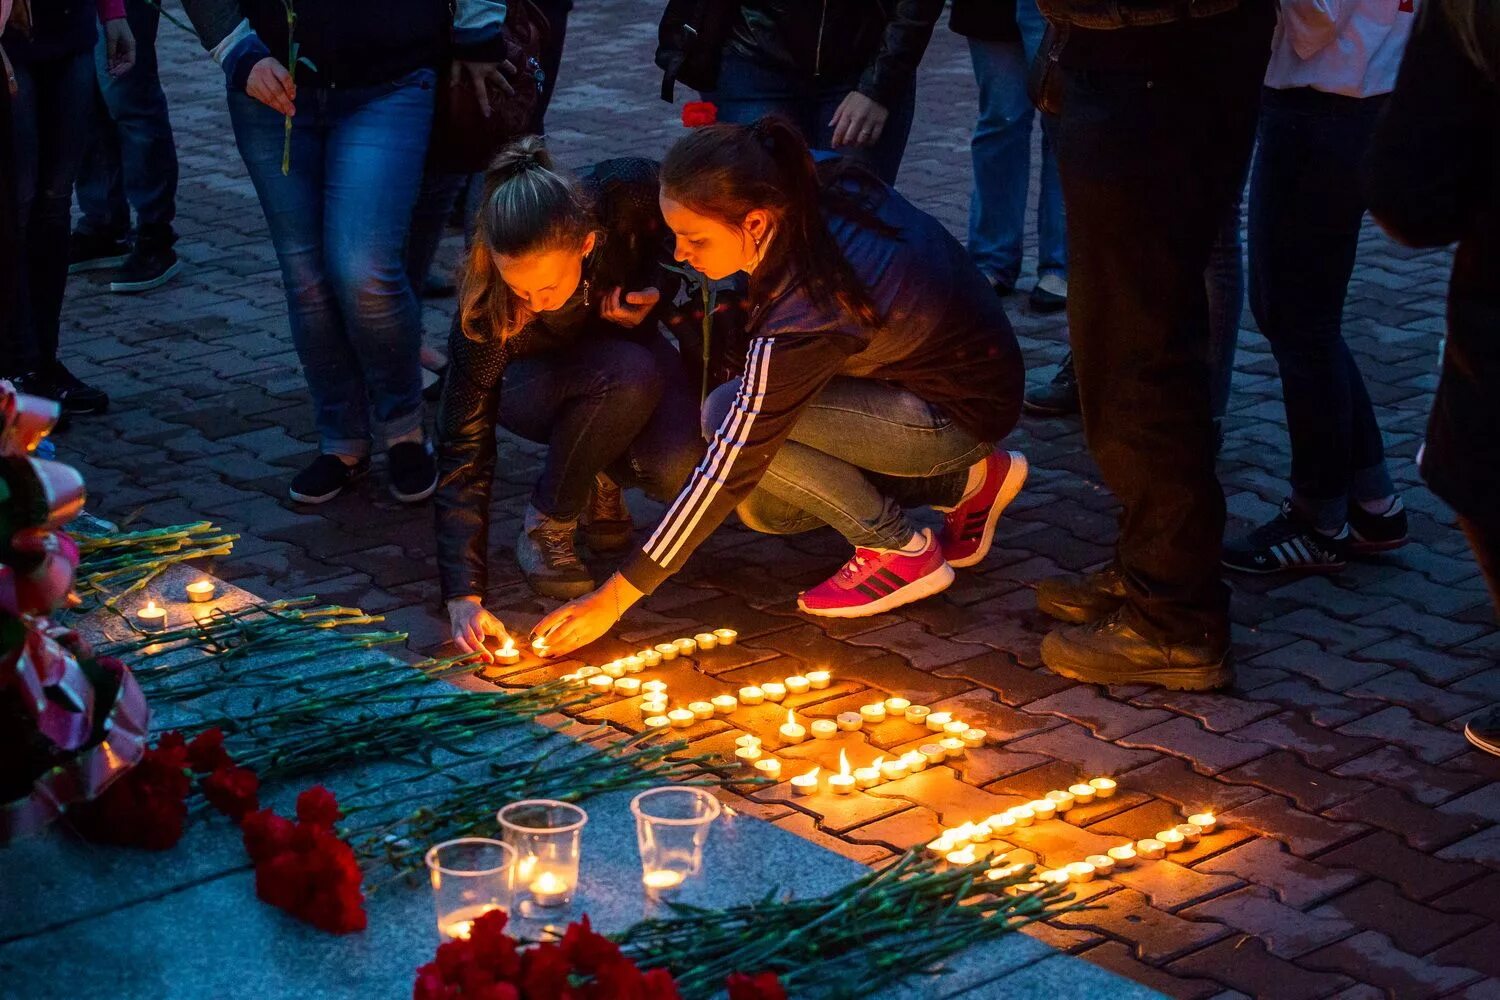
x: 874, y: 45
x: 635, y: 244
x: 1433, y: 178
x: 944, y: 338
x: 60, y: 28
x: 986, y: 20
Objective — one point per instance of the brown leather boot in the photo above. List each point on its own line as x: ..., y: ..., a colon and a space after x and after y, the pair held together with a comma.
x: 605, y: 524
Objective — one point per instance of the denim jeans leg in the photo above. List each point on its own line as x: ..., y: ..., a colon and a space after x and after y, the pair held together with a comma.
x: 1051, y: 219
x: 1226, y: 302
x: 293, y: 204
x: 665, y: 451
x: 747, y: 92
x: 100, y: 189
x: 1001, y: 152
x: 377, y: 143
x: 429, y: 217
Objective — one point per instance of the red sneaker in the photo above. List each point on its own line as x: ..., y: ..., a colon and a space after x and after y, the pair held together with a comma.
x: 969, y: 529
x: 875, y: 582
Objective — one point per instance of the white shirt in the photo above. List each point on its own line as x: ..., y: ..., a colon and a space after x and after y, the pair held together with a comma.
x: 1348, y: 47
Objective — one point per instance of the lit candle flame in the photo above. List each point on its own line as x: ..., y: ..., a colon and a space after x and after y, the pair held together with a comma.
x: 844, y: 763
x: 151, y: 605
x: 878, y: 762
x: 810, y: 775
x: 791, y: 719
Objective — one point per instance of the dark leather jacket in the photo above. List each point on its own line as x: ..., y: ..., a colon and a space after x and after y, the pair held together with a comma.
x: 635, y: 244
x: 874, y: 45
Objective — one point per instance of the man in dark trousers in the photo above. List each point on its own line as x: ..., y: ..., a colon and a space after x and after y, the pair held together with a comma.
x: 1157, y: 104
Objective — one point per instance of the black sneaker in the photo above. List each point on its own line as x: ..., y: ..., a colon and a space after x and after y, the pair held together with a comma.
x: 1109, y: 651
x: 605, y: 523
x: 1083, y: 597
x: 1057, y: 398
x: 1484, y: 731
x: 548, y: 559
x: 1288, y: 543
x: 95, y: 252
x: 1003, y: 289
x: 413, y: 471
x: 151, y: 264
x: 326, y: 478
x: 1050, y: 294
x: 75, y: 395
x: 1377, y: 532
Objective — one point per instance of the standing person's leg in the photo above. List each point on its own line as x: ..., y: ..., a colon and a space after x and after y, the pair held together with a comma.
x: 100, y: 240
x: 1051, y: 291
x: 376, y: 147
x: 1148, y: 168
x: 1305, y: 214
x: 1483, y: 730
x: 747, y: 91
x: 436, y: 198
x: 1226, y: 302
x: 1001, y: 154
x: 63, y: 91
x: 556, y: 12
x: 18, y: 153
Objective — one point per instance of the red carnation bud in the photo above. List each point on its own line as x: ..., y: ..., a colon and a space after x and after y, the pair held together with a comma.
x: 206, y: 752
x: 317, y: 807
x: 266, y: 835
x: 587, y: 951
x: 696, y: 113
x: 232, y: 790
x: 764, y: 986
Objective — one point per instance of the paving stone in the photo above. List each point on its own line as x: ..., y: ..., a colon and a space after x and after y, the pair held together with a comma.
x: 1304, y: 833
x: 1424, y: 828
x: 1320, y: 747
x: 1397, y: 725
x: 1155, y: 936
x: 1285, y: 774
x: 1483, y: 847
x: 1107, y: 718
x: 1219, y: 713
x: 1320, y: 664
x: 1186, y: 738
x: 1244, y: 963
x: 1077, y: 746
x: 982, y: 709
x: 1374, y: 959
x: 1175, y: 780
x: 1429, y: 703
x: 1479, y: 950
x: 1172, y: 887
x: 1421, y: 781
x: 940, y: 790
x: 1414, y: 928
x: 1386, y: 856
x: 1001, y: 672
x: 1116, y: 957
x: 1284, y: 931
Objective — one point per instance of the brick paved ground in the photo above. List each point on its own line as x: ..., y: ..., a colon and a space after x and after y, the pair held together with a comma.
x: 1361, y: 845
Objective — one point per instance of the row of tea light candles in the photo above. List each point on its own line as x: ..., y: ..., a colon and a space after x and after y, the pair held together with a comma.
x: 508, y: 653
x: 153, y: 617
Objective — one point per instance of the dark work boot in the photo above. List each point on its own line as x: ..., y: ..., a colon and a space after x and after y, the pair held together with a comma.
x: 546, y: 556
x: 605, y: 523
x: 1058, y: 398
x: 1110, y: 651
x: 1082, y: 597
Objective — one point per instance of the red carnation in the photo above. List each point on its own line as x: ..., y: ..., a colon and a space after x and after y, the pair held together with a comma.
x: 696, y: 113
x: 232, y: 790
x: 317, y: 807
x: 764, y: 986
x: 266, y: 834
x: 544, y: 972
x: 146, y: 806
x: 587, y: 951
x: 206, y: 752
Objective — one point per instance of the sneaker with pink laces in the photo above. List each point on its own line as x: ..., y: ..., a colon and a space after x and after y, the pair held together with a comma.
x: 969, y: 529
x: 875, y: 581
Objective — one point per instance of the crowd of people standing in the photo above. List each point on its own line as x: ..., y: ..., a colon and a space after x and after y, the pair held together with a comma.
x: 760, y: 324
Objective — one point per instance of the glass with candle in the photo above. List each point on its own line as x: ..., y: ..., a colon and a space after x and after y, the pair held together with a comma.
x: 671, y: 827
x: 545, y: 835
x: 470, y: 877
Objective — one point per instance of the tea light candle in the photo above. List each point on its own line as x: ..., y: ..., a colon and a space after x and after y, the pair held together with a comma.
x: 850, y: 722
x: 769, y: 767
x: 747, y: 740
x: 791, y: 731
x: 1103, y: 787
x: 916, y: 714
x: 634, y: 664
x: 1190, y: 832
x: 980, y: 833
x: 797, y: 684
x: 152, y: 617
x: 934, y: 753
x: 824, y: 729
x: 650, y: 657
x: 805, y: 784
x: 894, y: 770
x: 1022, y: 815
x: 1001, y: 824
x: 686, y: 647
x: 654, y: 706
x: 539, y: 645
x: 602, y: 683
x: 681, y: 718
x: 549, y: 889
x: 1042, y: 808
x: 1082, y: 794
x: 748, y: 754
x: 701, y: 710
x: 751, y: 695
x: 1123, y: 856
x: 955, y: 728
x: 200, y: 591
x: 657, y: 722
x: 843, y: 782
x: 614, y: 670
x: 973, y: 738
x: 962, y: 856
x: 774, y: 691
x: 587, y: 672
x: 1063, y: 799
x: 1171, y: 839
x: 868, y: 777
x: 960, y: 835
x: 1026, y: 888
x: 942, y: 846
x: 1205, y: 822
x: 726, y: 636
x: 572, y: 680
x: 937, y: 720
x: 666, y: 650
x: 628, y: 687
x: 1058, y: 877
x: 915, y: 760
x: 663, y: 879
x: 1103, y: 863
x: 655, y: 687
x: 1150, y: 849
x: 724, y: 703
x: 819, y: 679
x: 1080, y: 871
x: 873, y: 714
x: 508, y: 654
x: 953, y: 747
x: 706, y: 640
x: 896, y: 706
x: 1002, y: 873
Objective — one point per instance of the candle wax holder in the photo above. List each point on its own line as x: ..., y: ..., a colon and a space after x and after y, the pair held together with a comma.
x: 470, y: 877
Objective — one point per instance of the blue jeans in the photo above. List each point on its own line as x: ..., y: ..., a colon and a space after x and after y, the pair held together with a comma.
x: 1001, y: 150
x: 748, y: 91
x: 339, y: 221
x: 132, y: 158
x: 49, y: 116
x: 1305, y: 214
x: 1225, y: 280
x: 858, y: 454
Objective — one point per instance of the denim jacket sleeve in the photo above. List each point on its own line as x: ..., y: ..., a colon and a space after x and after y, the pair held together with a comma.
x: 466, y: 462
x: 902, y: 45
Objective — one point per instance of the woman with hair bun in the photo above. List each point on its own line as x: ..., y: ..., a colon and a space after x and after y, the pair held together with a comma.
x: 881, y: 372
x: 557, y: 341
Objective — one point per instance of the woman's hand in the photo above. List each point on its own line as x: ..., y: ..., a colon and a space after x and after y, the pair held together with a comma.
x: 119, y: 46
x: 858, y: 121
x: 484, y: 79
x: 471, y: 623
x: 575, y: 625
x: 270, y: 84
x: 629, y: 308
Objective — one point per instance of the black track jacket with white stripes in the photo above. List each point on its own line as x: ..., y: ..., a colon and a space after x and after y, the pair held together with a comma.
x: 944, y: 338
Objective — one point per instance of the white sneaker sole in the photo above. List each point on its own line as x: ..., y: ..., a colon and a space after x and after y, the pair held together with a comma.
x: 935, y: 582
x: 415, y: 497
x: 132, y: 287
x: 1015, y: 478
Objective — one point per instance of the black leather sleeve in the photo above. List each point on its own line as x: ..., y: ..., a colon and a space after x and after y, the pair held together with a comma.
x: 466, y: 462
x: 904, y: 42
